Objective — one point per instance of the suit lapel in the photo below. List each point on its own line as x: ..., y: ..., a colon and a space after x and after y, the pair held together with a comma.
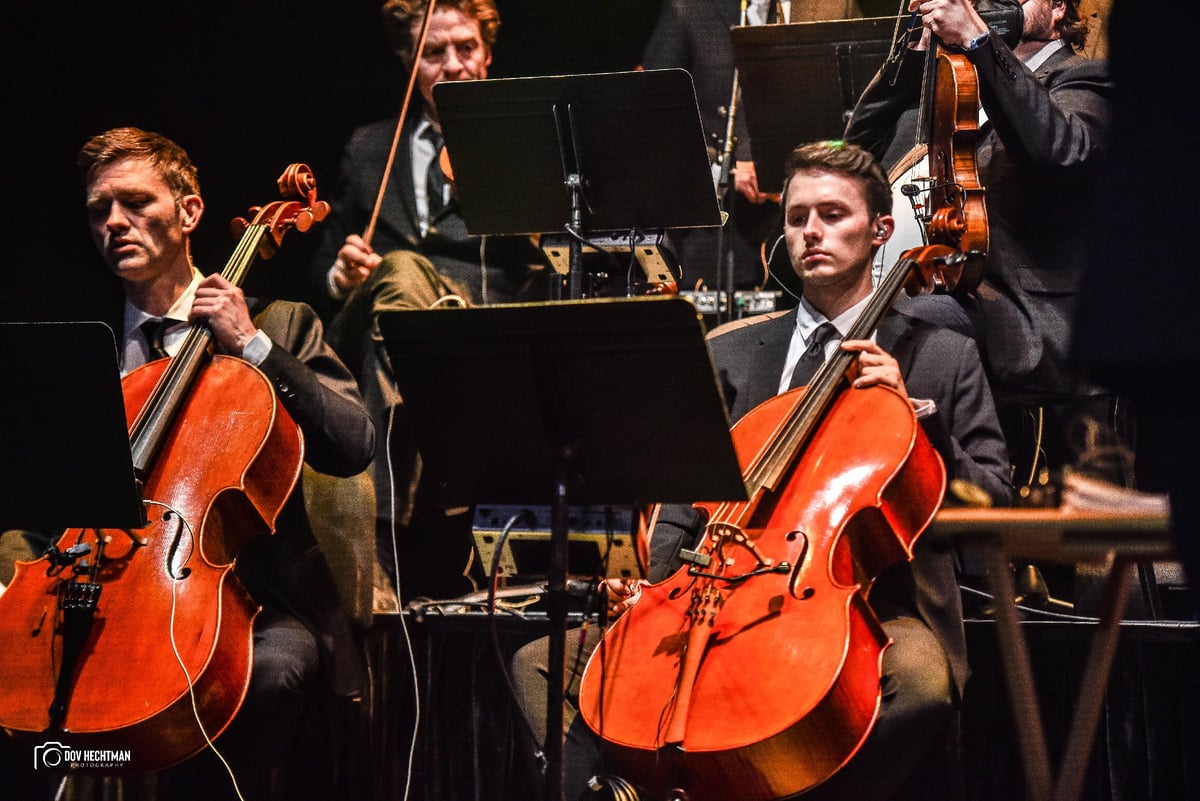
x: 895, y: 336
x: 769, y: 353
x: 399, y: 200
x: 1058, y: 61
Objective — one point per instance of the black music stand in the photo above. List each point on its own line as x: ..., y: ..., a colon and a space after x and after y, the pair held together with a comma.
x: 64, y: 442
x: 610, y: 401
x: 801, y: 81
x: 609, y: 152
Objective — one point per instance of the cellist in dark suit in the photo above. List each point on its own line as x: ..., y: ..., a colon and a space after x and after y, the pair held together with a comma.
x: 143, y: 203
x: 837, y: 213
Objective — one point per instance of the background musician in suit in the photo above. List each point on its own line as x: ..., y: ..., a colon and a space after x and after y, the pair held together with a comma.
x: 420, y: 255
x: 143, y: 203
x: 837, y: 214
x: 1040, y: 152
x: 695, y: 35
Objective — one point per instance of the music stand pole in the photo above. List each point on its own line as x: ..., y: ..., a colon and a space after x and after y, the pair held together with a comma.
x: 574, y: 184
x: 653, y: 175
x: 557, y: 570
x: 515, y: 404
x: 556, y: 610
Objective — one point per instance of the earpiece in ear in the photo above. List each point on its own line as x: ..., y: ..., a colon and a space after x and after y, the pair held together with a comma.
x: 880, y: 232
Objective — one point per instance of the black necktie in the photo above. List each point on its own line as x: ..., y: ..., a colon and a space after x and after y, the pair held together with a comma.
x: 153, y: 330
x: 435, y: 179
x: 814, y: 356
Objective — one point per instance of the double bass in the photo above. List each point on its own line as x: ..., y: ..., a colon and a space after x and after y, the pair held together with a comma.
x: 753, y: 672
x: 138, y: 642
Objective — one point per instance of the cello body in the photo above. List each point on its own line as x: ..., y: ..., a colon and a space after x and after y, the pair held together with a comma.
x: 139, y: 642
x: 757, y: 687
x: 172, y: 624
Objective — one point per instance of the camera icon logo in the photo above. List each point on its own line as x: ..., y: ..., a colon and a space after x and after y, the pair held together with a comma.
x: 49, y: 755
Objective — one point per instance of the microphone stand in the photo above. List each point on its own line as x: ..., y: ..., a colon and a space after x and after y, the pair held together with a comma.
x: 725, y: 265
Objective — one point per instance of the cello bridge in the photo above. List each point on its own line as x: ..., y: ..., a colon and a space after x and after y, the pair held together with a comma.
x: 724, y: 534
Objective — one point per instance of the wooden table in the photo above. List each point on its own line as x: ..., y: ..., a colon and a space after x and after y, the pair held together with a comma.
x: 1075, y: 537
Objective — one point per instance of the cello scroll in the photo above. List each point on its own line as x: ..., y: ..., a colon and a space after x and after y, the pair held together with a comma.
x: 159, y: 609
x: 297, y: 181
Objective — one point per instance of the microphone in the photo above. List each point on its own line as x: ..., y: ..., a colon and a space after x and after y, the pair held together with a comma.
x: 63, y: 558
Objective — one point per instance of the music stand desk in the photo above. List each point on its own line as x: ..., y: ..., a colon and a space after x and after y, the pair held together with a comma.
x: 634, y: 139
x: 64, y: 440
x: 1074, y: 537
x: 801, y: 81
x: 610, y: 401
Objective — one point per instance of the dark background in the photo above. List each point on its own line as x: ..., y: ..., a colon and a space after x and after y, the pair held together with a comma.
x: 247, y: 87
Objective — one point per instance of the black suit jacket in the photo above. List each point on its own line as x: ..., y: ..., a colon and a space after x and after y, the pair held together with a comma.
x: 937, y: 364
x: 694, y: 34
x: 1040, y: 158
x: 288, y: 569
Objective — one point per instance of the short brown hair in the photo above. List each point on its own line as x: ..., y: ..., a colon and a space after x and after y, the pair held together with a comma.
x: 847, y: 159
x: 399, y: 16
x: 117, y: 144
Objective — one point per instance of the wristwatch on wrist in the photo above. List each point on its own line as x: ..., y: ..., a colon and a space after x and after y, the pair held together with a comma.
x: 978, y: 41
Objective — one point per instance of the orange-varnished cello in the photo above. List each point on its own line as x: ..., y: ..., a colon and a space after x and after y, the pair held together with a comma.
x: 142, y: 643
x: 754, y: 671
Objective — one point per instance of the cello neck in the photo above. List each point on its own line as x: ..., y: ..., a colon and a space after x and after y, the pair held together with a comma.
x: 259, y: 237
x: 768, y: 469
x: 155, y: 420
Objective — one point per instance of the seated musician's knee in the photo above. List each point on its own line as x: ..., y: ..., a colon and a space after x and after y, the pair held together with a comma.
x: 286, y: 660
x: 916, y: 682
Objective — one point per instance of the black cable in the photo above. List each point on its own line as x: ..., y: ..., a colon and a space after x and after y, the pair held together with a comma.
x: 987, y: 596
x: 493, y: 573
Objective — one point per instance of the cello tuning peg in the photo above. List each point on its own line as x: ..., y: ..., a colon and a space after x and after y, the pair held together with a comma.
x: 304, y: 220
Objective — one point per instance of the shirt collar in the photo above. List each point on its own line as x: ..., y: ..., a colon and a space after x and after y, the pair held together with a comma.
x: 179, y: 310
x: 423, y: 125
x: 808, y: 318
x: 1039, y: 58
